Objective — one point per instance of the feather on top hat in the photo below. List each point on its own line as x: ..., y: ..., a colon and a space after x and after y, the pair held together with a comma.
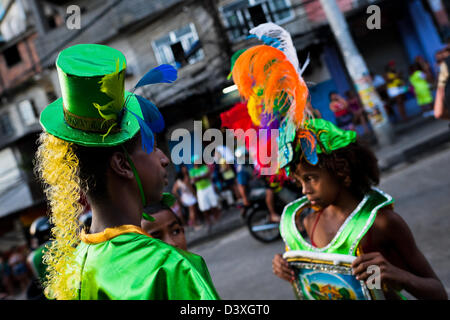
x: 95, y: 110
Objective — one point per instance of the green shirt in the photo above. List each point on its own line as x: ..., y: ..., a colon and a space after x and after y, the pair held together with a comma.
x: 198, y: 172
x: 37, y: 264
x: 131, y: 265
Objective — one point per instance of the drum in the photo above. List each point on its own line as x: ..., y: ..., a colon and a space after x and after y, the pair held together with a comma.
x: 326, y: 276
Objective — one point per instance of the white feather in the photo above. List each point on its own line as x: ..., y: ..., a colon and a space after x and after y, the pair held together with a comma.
x: 273, y: 30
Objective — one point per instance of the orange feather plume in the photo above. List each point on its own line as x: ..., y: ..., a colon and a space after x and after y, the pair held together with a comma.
x: 267, y: 67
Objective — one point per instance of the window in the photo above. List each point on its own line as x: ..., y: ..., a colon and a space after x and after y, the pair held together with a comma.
x: 178, y: 47
x: 6, y: 127
x: 242, y: 15
x: 27, y: 112
x: 12, y: 56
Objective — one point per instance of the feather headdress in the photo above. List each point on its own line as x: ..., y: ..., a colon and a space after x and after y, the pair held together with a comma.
x: 268, y: 76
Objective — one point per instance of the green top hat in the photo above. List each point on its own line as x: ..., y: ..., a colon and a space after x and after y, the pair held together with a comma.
x: 91, y: 109
x: 95, y: 110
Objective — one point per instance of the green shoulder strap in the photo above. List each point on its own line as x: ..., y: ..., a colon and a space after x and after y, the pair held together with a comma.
x: 138, y: 180
x: 288, y: 230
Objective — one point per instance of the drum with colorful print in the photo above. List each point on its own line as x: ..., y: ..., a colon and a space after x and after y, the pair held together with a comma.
x: 325, y: 276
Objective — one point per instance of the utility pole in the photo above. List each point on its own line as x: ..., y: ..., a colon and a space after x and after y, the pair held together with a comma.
x: 359, y: 73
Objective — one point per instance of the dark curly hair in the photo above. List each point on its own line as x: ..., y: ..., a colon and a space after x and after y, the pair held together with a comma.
x: 355, y: 161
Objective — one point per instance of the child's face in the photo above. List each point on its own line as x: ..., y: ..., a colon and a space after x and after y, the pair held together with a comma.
x: 318, y: 185
x: 166, y: 228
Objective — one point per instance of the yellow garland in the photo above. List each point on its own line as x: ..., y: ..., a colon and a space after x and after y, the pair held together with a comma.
x: 57, y: 166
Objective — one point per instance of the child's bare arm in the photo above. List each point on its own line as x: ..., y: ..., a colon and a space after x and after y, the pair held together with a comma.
x: 417, y: 277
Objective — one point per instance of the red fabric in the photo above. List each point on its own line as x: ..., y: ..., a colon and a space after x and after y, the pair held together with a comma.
x: 237, y: 117
x: 340, y: 110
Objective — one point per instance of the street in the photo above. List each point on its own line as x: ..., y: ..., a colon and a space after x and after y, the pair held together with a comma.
x: 241, y: 267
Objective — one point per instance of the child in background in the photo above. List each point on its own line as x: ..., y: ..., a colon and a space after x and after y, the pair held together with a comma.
x: 162, y: 223
x: 357, y: 110
x: 166, y: 226
x: 344, y: 117
x: 347, y: 215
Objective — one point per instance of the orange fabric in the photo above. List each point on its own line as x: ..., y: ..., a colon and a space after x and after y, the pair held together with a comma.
x: 110, y: 233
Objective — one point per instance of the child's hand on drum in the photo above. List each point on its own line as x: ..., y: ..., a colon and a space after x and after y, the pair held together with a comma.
x: 281, y: 268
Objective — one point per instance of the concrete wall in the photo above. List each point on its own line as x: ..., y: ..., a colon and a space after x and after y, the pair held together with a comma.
x: 207, y: 73
x: 12, y: 76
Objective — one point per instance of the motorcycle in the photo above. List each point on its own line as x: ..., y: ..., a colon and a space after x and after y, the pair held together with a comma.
x: 258, y: 217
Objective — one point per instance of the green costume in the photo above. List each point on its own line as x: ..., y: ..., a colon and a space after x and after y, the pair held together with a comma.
x: 327, y: 138
x: 126, y: 263
x: 349, y: 235
x: 198, y: 172
x: 36, y: 262
x: 421, y: 88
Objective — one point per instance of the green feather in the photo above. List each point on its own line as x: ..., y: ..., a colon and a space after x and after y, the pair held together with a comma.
x: 113, y: 85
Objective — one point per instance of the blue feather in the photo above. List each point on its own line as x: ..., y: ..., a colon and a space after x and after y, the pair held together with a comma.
x: 273, y: 42
x: 146, y: 134
x: 164, y: 73
x: 309, y: 151
x: 152, y: 116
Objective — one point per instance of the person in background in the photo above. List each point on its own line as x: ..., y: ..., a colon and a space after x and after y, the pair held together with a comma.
x: 355, y: 107
x: 166, y: 226
x: 40, y: 238
x: 339, y: 106
x: 185, y: 194
x: 425, y: 67
x: 6, y: 283
x: 380, y: 86
x: 441, y: 106
x: 418, y: 80
x: 228, y: 178
x: 396, y: 88
x: 20, y: 272
x: 208, y: 201
x: 244, y: 172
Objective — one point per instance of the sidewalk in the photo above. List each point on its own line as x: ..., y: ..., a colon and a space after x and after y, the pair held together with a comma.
x: 230, y: 220
x: 412, y: 139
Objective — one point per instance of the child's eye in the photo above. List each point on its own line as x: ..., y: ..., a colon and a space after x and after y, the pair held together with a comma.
x: 156, y: 235
x: 176, y: 231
